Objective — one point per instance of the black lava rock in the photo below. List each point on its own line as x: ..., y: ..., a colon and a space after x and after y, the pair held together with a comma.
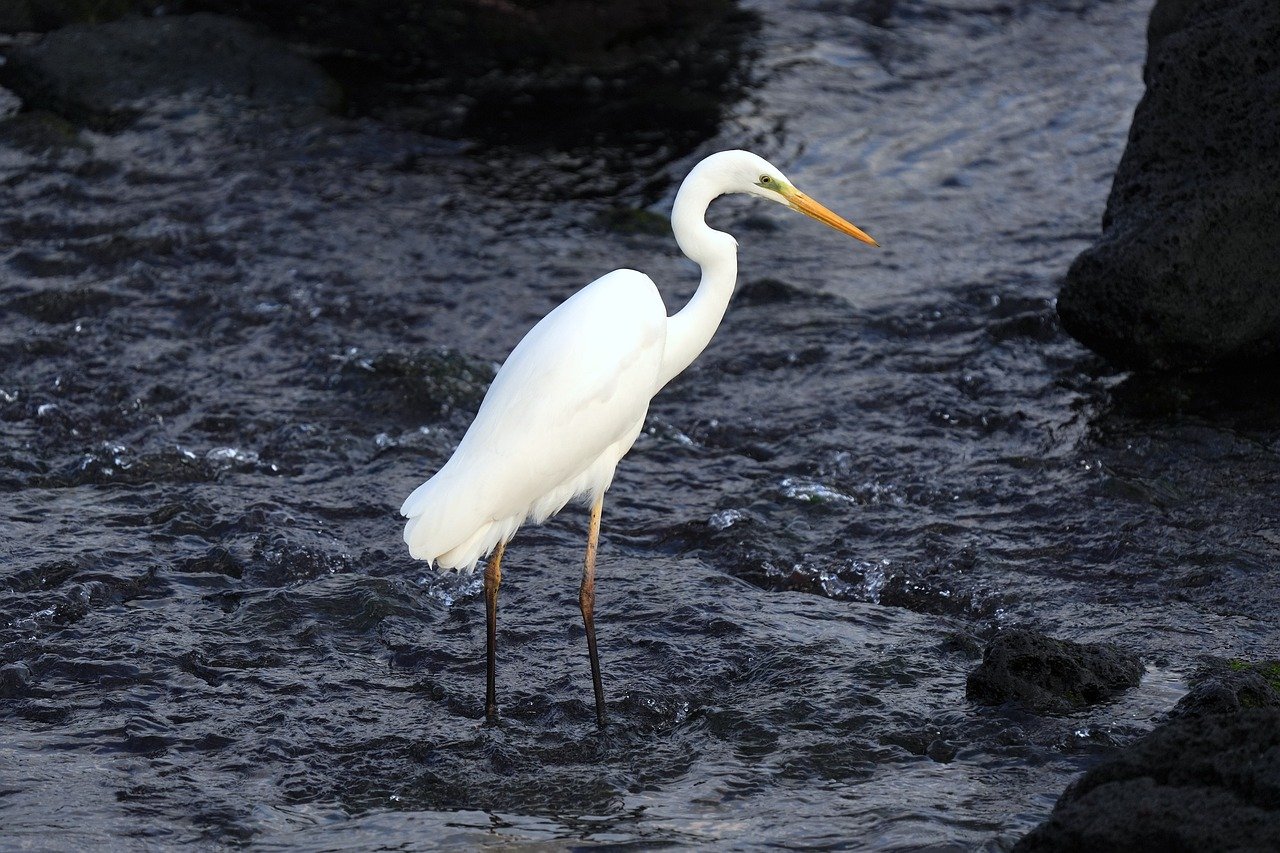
x: 1194, y: 784
x: 18, y: 16
x: 103, y: 75
x: 1045, y: 674
x: 1231, y: 687
x: 524, y: 72
x: 1187, y: 272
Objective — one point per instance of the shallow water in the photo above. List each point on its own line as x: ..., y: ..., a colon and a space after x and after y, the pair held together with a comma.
x: 218, y: 329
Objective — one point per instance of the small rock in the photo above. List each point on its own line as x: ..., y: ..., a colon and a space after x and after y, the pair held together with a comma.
x: 1194, y: 784
x: 1187, y: 272
x: 15, y: 678
x: 217, y: 561
x: 414, y: 387
x: 1048, y: 675
x: 103, y: 75
x: 39, y: 130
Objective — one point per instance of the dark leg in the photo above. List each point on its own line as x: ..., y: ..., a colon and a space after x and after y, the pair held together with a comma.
x: 587, y: 601
x: 492, y: 580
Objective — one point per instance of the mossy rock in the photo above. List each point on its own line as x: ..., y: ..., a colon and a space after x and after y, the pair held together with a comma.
x: 1223, y: 687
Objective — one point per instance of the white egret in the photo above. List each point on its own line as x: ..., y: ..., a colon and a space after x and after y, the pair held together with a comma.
x: 571, y: 398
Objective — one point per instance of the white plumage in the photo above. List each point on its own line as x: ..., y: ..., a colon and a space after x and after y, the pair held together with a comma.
x: 565, y: 407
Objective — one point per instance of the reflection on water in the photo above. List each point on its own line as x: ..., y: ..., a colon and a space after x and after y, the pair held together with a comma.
x: 219, y: 329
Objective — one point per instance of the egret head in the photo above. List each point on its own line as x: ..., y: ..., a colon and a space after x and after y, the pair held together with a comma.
x: 754, y: 175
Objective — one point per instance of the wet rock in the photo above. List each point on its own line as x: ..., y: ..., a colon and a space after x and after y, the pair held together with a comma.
x: 104, y: 75
x: 39, y: 130
x: 524, y: 72
x: 1186, y: 272
x: 218, y: 561
x: 15, y: 16
x: 1196, y: 783
x: 15, y: 679
x: 43, y: 577
x: 18, y: 16
x: 414, y: 387
x: 117, y: 465
x: 1231, y: 686
x: 276, y: 562
x: 1048, y: 675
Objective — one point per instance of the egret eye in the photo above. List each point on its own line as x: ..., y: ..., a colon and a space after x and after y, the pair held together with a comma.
x: 766, y: 180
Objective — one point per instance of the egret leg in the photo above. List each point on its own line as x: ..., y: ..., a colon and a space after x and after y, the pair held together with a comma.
x: 587, y: 602
x: 492, y: 580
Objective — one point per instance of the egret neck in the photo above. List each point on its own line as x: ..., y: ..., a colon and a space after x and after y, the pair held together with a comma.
x: 690, y: 329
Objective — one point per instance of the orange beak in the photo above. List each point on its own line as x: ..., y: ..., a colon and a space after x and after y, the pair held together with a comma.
x: 809, y: 207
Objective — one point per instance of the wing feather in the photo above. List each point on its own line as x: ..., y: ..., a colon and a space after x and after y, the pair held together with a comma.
x: 576, y: 385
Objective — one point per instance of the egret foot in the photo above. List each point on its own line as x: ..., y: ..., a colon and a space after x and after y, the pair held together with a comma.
x: 492, y: 580
x: 587, y: 603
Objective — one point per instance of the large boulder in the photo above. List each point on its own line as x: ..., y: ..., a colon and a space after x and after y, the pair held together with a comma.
x: 1197, y: 783
x: 1187, y: 272
x: 105, y: 74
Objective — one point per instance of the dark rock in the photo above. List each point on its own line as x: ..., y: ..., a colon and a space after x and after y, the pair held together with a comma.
x: 474, y: 36
x: 106, y: 74
x: 414, y: 387
x: 39, y: 130
x: 15, y: 678
x: 1187, y: 272
x: 1194, y: 784
x: 112, y: 465
x: 1045, y: 674
x: 15, y: 16
x: 218, y: 561
x: 524, y: 72
x: 1232, y: 686
x: 278, y: 562
x: 43, y: 15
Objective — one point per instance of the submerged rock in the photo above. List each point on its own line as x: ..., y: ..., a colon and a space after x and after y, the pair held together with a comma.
x: 1050, y: 675
x: 1187, y: 272
x: 1194, y: 784
x: 104, y: 75
x: 413, y: 387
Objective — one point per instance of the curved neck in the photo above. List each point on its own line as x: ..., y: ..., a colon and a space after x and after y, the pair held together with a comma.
x: 690, y: 329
